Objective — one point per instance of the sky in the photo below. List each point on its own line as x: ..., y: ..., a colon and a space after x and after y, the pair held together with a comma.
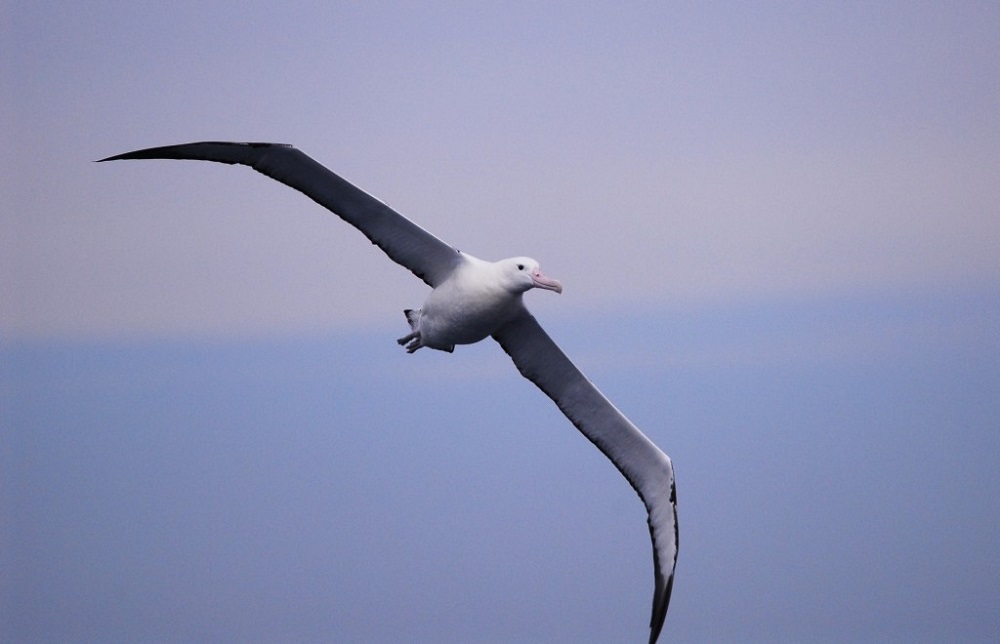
x: 776, y: 225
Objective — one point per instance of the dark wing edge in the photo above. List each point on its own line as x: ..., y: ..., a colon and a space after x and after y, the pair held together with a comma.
x: 643, y: 464
x: 403, y: 241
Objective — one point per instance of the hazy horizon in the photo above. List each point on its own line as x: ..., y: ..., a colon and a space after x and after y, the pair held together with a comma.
x: 776, y: 225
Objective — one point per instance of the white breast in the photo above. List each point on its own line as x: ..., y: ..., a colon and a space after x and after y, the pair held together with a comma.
x: 467, y: 307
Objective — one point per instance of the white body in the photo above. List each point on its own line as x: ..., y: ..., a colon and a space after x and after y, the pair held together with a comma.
x: 478, y: 298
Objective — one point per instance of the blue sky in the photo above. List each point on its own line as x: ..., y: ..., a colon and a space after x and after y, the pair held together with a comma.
x: 777, y: 228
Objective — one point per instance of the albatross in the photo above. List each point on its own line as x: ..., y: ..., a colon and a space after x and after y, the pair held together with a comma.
x: 472, y: 299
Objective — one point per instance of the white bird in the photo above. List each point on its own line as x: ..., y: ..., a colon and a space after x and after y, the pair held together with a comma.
x: 472, y: 299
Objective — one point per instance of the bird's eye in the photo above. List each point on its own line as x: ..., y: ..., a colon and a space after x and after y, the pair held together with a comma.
x: 520, y: 267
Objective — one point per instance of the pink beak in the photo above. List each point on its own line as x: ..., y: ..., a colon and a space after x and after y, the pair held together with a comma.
x: 541, y: 280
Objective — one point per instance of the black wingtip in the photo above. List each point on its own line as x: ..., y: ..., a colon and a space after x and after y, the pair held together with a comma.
x: 660, y: 612
x: 663, y: 580
x: 183, y: 151
x: 113, y: 158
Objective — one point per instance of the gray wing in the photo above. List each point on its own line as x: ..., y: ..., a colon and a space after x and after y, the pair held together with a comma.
x: 403, y: 241
x: 641, y: 462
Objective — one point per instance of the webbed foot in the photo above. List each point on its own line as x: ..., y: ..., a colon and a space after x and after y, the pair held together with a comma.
x: 413, y: 339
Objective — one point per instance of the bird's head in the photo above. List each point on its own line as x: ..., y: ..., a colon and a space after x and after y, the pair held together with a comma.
x: 520, y: 274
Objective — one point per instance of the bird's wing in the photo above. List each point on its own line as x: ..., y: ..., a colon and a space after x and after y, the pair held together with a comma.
x: 403, y: 241
x: 641, y: 462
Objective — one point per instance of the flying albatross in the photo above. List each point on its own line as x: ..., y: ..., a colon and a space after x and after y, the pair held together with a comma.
x: 472, y: 299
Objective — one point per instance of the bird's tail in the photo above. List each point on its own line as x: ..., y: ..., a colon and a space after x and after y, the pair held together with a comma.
x: 413, y: 317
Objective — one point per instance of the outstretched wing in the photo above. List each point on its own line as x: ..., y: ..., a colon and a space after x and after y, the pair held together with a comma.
x: 403, y: 241
x: 641, y: 462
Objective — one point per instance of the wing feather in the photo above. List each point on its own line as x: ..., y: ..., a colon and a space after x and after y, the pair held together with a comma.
x: 647, y: 468
x: 403, y: 241
x: 536, y: 356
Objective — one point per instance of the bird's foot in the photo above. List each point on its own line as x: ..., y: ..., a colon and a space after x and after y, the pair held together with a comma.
x: 413, y: 339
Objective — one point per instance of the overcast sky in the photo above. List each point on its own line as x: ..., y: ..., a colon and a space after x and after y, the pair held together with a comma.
x: 777, y: 227
x: 644, y: 154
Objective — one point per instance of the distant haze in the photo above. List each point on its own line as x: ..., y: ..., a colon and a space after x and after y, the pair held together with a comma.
x: 777, y: 226
x: 645, y: 155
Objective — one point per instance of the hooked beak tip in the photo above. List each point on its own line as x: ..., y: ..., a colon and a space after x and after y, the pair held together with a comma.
x: 543, y: 281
